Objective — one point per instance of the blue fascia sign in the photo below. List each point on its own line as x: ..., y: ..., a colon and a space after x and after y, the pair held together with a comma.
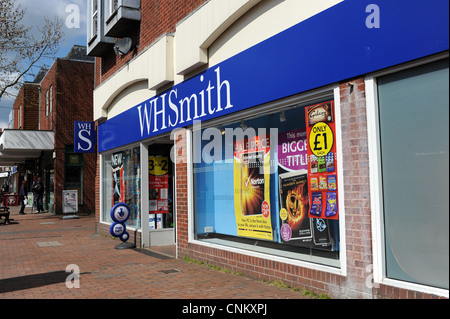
x: 350, y: 39
x: 85, y: 137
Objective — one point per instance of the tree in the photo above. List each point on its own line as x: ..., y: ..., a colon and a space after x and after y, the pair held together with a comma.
x: 20, y: 49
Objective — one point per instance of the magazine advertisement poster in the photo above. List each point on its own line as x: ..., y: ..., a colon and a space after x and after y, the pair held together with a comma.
x: 296, y: 227
x: 252, y: 187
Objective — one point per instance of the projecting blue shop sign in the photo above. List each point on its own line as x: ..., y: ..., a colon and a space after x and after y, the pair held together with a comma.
x: 85, y: 137
x: 352, y: 38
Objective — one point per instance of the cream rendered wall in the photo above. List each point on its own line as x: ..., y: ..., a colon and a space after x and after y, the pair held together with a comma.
x: 263, y: 21
x: 213, y: 33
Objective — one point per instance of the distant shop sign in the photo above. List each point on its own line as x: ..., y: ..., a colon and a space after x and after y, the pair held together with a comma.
x: 84, y: 137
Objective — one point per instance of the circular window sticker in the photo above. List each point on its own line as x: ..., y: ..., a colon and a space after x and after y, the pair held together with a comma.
x: 283, y: 213
x: 120, y: 213
x: 265, y: 209
x: 321, y: 139
x: 286, y: 232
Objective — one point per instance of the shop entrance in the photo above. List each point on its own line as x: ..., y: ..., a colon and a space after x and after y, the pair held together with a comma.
x: 161, y: 199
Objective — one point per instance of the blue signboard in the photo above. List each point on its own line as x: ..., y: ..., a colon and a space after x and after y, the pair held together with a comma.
x: 352, y: 38
x: 85, y: 137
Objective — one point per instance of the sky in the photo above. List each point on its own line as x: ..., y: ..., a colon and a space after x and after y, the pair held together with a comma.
x: 67, y: 10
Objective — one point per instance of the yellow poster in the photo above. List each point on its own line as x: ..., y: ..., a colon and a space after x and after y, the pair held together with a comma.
x: 252, y: 187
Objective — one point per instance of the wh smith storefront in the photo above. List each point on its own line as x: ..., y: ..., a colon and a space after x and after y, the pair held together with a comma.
x: 308, y: 156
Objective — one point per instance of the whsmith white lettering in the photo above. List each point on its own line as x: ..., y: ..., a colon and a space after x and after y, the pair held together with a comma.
x: 154, y: 114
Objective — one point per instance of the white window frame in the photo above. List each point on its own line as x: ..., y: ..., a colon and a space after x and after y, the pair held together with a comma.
x: 46, y: 102
x: 19, y: 123
x: 111, y: 6
x: 265, y: 109
x: 92, y: 15
x: 376, y: 182
x: 50, y: 100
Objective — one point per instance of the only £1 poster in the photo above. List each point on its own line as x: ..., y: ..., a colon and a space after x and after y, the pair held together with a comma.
x: 252, y: 187
x: 322, y: 168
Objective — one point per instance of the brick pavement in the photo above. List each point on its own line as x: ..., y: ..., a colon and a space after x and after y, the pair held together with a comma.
x: 36, y: 249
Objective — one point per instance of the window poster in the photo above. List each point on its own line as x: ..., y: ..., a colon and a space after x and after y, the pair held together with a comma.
x: 158, y: 202
x: 321, y: 154
x: 296, y: 227
x: 118, y: 178
x: 252, y: 187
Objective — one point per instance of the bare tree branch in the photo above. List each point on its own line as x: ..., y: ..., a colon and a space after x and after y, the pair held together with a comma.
x: 19, y: 49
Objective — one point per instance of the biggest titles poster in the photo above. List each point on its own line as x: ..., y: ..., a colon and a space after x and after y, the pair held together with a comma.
x: 252, y: 187
x: 296, y: 226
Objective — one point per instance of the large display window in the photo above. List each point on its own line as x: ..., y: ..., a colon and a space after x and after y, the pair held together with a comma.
x: 269, y: 184
x: 121, y: 183
x: 414, y: 144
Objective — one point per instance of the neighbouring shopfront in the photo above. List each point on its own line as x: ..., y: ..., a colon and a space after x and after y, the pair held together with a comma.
x: 298, y: 158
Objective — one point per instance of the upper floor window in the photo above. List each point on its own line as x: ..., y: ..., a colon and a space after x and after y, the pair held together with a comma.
x: 92, y: 19
x: 46, y: 103
x: 19, y: 118
x: 111, y: 6
x: 51, y: 100
x: 97, y: 42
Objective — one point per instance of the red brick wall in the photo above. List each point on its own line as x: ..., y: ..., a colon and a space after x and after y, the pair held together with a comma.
x: 158, y: 17
x: 28, y: 99
x: 356, y: 188
x: 181, y: 193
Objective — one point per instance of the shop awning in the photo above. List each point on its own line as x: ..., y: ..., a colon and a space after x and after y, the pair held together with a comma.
x: 17, y: 146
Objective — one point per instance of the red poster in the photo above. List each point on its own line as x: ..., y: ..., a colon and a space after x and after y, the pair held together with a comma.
x: 158, y: 180
x: 321, y: 156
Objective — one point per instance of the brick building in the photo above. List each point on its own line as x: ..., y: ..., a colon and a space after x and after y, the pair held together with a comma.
x: 50, y: 105
x: 271, y: 137
x: 26, y: 106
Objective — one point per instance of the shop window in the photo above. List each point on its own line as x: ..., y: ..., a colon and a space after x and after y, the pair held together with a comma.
x: 259, y: 186
x: 413, y: 119
x: 121, y: 183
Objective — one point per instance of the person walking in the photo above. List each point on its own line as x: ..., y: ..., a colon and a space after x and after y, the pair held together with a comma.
x: 23, y: 197
x: 38, y: 191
